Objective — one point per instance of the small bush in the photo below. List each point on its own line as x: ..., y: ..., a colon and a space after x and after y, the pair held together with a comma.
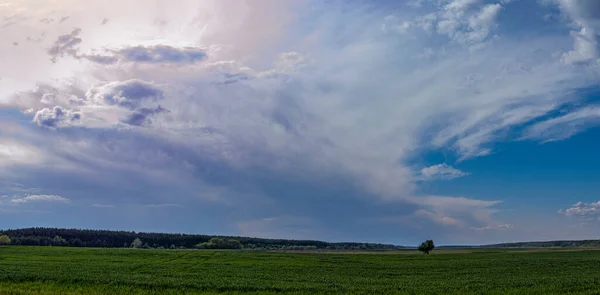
x: 5, y: 240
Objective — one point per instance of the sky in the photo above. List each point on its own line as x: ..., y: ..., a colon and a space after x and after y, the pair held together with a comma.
x: 463, y: 121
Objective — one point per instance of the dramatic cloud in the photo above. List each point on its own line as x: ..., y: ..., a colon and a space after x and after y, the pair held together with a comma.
x: 441, y: 171
x: 40, y: 198
x: 69, y: 45
x: 128, y: 94
x: 275, y: 114
x: 56, y: 117
x: 194, y: 99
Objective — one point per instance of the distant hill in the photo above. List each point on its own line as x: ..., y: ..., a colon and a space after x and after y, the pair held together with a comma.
x: 40, y: 236
x: 548, y: 244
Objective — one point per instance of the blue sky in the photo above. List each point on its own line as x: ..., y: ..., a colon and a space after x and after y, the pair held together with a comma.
x: 464, y: 121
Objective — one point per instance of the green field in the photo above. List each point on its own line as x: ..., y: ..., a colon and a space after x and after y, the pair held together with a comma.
x: 57, y: 270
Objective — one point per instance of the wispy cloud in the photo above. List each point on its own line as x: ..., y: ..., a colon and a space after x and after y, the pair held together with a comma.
x: 8, y: 186
x: 40, y: 198
x: 164, y: 206
x: 102, y: 206
x: 441, y: 171
x: 506, y: 226
x: 14, y: 152
x: 565, y: 126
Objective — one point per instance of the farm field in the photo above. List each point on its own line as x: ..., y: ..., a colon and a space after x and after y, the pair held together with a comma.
x: 61, y: 270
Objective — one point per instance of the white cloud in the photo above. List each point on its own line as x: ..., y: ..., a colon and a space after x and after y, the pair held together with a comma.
x: 482, y: 22
x: 467, y: 21
x: 129, y: 94
x: 564, y: 126
x: 585, y: 47
x: 583, y: 210
x: 441, y: 171
x: 586, y: 21
x: 507, y: 226
x: 486, y: 16
x: 460, y: 6
x: 40, y: 198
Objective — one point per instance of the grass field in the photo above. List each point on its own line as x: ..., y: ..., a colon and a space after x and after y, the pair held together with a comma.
x: 56, y: 270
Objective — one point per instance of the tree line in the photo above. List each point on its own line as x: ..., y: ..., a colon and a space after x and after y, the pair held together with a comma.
x: 549, y: 244
x: 40, y: 236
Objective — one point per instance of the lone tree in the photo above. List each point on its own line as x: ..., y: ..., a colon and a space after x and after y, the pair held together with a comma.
x: 426, y: 246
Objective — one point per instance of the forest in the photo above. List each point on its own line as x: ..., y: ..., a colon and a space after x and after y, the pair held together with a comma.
x: 40, y: 236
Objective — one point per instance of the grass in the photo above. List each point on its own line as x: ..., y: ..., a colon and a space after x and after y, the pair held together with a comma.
x: 56, y: 270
